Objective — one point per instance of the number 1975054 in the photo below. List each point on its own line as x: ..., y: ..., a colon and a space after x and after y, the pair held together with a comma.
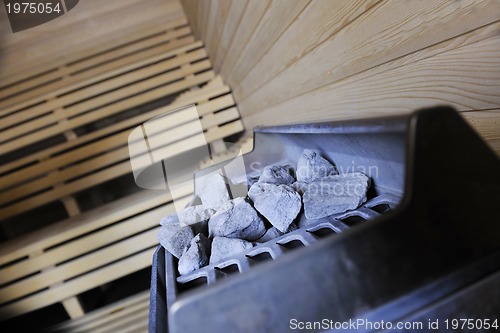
x: 34, y: 8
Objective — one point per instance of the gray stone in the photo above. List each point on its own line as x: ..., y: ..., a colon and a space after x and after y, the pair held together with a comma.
x: 169, y: 220
x: 299, y: 187
x: 311, y: 166
x: 273, y: 233
x: 194, y: 214
x: 335, y: 194
x: 252, y: 180
x: 280, y: 204
x: 173, y: 236
x: 195, y: 256
x: 215, y: 192
x: 236, y: 219
x: 277, y: 174
x: 223, y: 248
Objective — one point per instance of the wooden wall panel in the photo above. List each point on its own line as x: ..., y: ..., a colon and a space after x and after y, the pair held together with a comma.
x: 384, y: 32
x: 351, y: 59
x: 233, y: 20
x: 274, y: 22
x: 319, y: 21
x: 90, y: 24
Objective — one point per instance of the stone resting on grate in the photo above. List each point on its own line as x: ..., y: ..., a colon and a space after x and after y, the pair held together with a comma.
x: 223, y: 226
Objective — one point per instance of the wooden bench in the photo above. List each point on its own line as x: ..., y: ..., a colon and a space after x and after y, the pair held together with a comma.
x: 88, y: 249
x: 128, y: 315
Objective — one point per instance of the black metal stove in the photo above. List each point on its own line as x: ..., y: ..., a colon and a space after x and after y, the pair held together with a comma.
x: 423, y: 247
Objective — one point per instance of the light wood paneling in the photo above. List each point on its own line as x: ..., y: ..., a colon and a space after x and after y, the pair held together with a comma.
x: 89, y: 25
x: 453, y: 77
x: 352, y: 59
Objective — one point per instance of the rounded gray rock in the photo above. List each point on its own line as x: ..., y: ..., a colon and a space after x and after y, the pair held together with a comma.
x: 236, y: 219
x: 215, y: 192
x: 195, y: 256
x: 335, y: 194
x: 280, y: 204
x: 194, y: 214
x: 175, y: 238
x: 311, y: 166
x: 223, y: 248
x: 277, y: 174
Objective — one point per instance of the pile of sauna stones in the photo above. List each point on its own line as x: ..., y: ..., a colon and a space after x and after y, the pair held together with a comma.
x: 222, y: 226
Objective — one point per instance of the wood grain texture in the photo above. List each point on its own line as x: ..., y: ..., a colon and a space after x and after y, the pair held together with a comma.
x: 218, y: 13
x: 233, y: 20
x: 247, y: 25
x: 319, y: 21
x: 465, y: 77
x: 276, y: 20
x: 487, y: 124
x: 29, y: 52
x: 383, y: 33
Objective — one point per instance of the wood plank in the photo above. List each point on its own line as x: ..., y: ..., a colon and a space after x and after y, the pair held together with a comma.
x: 180, y: 132
x: 93, y: 74
x: 487, y: 124
x: 121, y: 105
x: 219, y: 11
x: 70, y: 228
x: 134, y: 43
x: 115, y: 171
x: 104, y: 72
x: 319, y: 21
x: 203, y: 18
x: 250, y: 19
x: 113, y: 24
x: 226, y: 36
x: 142, y: 308
x: 107, y: 144
x: 191, y: 11
x: 276, y: 20
x: 130, y: 226
x: 98, y: 94
x: 102, y: 314
x: 462, y: 72
x: 383, y: 33
x: 84, y: 89
x: 131, y: 322
x: 78, y: 285
x: 73, y: 307
x: 186, y: 100
x: 82, y: 264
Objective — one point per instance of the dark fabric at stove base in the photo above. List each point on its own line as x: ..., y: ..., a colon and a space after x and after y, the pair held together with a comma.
x: 335, y: 194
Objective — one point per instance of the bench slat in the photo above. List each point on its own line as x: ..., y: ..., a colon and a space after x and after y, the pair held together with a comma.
x: 85, y: 101
x: 79, y: 285
x: 84, y: 223
x: 37, y: 84
x: 112, y: 109
x: 108, y: 143
x: 105, y: 314
x: 81, y: 265
x: 110, y: 129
